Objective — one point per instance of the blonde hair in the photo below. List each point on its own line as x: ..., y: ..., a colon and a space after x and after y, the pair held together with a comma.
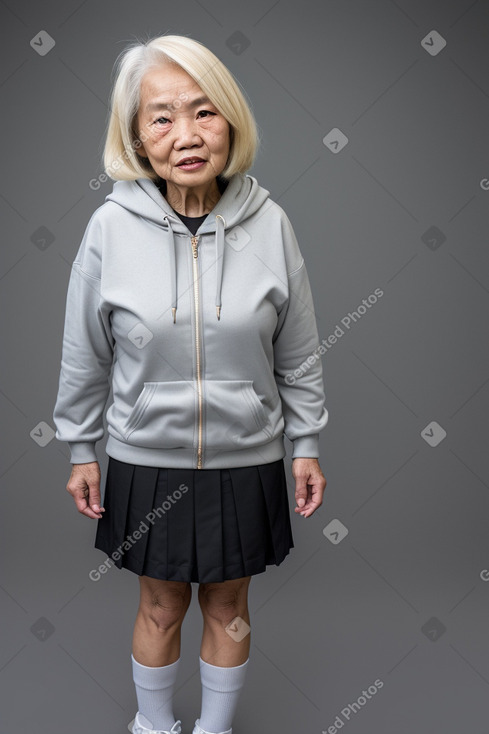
x: 120, y: 158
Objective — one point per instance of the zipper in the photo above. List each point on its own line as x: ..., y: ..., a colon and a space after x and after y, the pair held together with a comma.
x: 195, y: 252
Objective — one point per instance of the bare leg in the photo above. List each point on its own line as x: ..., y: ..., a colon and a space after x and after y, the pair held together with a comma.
x: 220, y: 603
x: 157, y: 629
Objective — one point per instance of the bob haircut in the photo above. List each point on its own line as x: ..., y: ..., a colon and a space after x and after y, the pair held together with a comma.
x: 120, y: 158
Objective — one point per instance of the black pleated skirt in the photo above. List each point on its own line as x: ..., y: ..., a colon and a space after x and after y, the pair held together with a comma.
x: 197, y: 525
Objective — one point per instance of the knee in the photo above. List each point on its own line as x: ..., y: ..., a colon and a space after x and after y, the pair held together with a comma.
x: 166, y: 607
x: 221, y: 602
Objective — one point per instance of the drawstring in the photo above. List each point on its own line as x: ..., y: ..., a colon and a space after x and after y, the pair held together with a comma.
x: 173, y: 271
x: 220, y: 224
x: 219, y: 242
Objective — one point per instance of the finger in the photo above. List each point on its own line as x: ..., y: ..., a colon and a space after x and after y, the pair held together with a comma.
x: 81, y: 498
x: 301, y: 490
x: 80, y: 502
x: 307, y: 510
x: 94, y: 497
x: 95, y: 509
x: 95, y: 503
x: 314, y: 501
x: 88, y: 512
x: 82, y: 506
x: 312, y: 506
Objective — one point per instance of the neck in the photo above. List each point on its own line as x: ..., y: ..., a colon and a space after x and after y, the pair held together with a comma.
x: 193, y: 201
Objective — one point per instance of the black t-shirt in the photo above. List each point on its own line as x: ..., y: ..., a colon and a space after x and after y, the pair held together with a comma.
x: 193, y: 223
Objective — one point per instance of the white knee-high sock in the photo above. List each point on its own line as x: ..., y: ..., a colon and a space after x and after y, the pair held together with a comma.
x: 220, y: 693
x: 154, y: 691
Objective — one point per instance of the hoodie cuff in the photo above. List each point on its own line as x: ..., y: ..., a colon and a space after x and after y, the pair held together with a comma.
x: 306, y: 447
x: 82, y: 452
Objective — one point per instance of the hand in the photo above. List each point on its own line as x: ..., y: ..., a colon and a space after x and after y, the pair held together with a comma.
x: 309, y: 485
x: 84, y: 487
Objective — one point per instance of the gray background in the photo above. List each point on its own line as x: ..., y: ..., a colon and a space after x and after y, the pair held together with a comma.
x: 403, y: 597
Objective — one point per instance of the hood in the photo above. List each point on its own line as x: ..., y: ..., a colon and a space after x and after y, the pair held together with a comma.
x: 242, y: 197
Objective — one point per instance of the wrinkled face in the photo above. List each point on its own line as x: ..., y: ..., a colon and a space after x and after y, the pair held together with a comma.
x: 175, y: 121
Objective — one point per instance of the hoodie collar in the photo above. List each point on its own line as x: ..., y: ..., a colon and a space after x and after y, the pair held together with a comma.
x: 219, y: 245
x: 242, y: 197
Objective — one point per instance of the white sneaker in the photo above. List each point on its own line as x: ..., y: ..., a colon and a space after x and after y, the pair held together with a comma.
x: 198, y: 730
x: 138, y: 728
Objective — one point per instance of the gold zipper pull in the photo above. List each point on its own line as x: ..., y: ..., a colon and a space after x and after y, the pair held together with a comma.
x: 195, y: 245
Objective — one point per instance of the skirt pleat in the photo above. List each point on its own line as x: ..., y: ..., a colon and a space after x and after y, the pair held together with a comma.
x: 195, y: 525
x: 143, y: 486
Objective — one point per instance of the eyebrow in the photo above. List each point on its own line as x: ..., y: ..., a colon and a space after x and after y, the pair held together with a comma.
x: 161, y: 105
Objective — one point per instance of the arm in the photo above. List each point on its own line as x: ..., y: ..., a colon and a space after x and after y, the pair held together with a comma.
x: 299, y: 378
x: 87, y: 354
x: 298, y: 368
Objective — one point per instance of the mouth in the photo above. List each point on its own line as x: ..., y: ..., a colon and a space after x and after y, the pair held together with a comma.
x: 191, y: 163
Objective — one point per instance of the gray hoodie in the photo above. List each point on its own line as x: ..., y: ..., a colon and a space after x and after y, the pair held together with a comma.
x: 207, y: 341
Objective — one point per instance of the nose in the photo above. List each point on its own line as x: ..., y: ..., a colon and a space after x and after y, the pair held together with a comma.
x: 186, y: 134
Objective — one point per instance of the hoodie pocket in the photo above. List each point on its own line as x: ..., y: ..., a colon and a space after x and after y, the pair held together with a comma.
x: 163, y: 416
x: 235, y: 417
x: 166, y: 415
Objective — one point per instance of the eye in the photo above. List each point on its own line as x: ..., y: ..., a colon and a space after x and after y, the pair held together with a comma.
x: 206, y: 112
x: 161, y: 118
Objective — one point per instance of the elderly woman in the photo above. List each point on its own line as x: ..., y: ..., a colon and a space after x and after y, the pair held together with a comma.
x: 190, y: 288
